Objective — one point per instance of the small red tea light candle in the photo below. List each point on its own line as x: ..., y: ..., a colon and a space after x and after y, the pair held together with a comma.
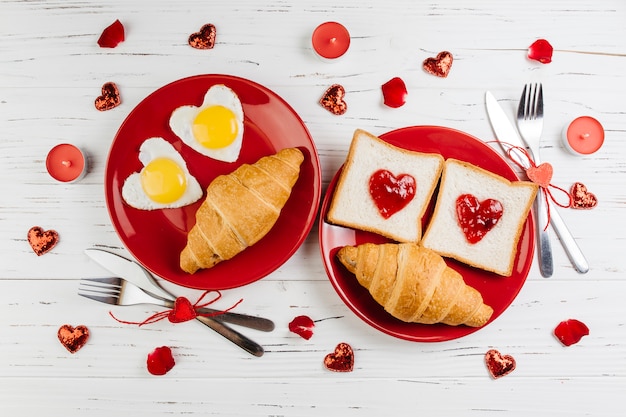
x: 66, y: 163
x: 330, y: 40
x: 584, y: 135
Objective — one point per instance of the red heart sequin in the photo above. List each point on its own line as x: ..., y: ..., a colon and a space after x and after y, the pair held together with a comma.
x: 333, y: 101
x: 394, y: 92
x: 42, y: 241
x: 183, y: 311
x: 571, y: 331
x: 112, y: 35
x: 390, y: 193
x: 440, y: 65
x: 341, y: 360
x: 110, y: 97
x: 302, y: 326
x: 541, y: 51
x: 477, y: 218
x: 73, y: 338
x: 204, y: 39
x: 541, y: 174
x: 582, y: 198
x: 160, y: 361
x: 499, y: 365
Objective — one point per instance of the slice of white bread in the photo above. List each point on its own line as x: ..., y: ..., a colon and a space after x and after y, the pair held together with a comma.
x: 352, y: 204
x: 496, y: 251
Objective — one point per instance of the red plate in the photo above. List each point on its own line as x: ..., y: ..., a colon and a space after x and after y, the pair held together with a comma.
x: 498, y: 292
x: 156, y: 238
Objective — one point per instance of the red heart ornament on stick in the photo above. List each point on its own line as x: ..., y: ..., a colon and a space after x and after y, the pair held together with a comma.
x: 476, y: 218
x: 498, y: 364
x: 333, y: 101
x: 183, y: 311
x: 541, y: 174
x: 390, y: 193
x: 110, y: 97
x: 204, y: 39
x: 73, y: 338
x: 341, y: 360
x: 440, y: 65
x: 42, y: 241
x: 582, y: 198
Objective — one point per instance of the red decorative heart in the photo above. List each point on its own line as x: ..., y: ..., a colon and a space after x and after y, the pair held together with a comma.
x: 110, y: 97
x: 571, y: 331
x: 499, y: 365
x: 477, y: 218
x: 302, y: 326
x: 541, y: 51
x: 183, y: 311
x: 160, y: 361
x: 341, y: 360
x: 42, y: 241
x: 394, y: 92
x: 73, y: 338
x: 112, y: 35
x: 439, y: 66
x: 390, y: 193
x: 205, y: 39
x: 582, y: 198
x: 541, y: 174
x: 333, y: 101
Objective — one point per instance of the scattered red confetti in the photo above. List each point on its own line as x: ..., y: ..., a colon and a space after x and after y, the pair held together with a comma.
x: 390, y: 193
x: 110, y: 97
x: 571, y: 331
x: 302, y: 326
x: 582, y: 198
x: 73, y: 338
x: 440, y: 65
x: 394, y: 92
x: 499, y: 365
x: 341, y: 360
x: 160, y: 361
x: 42, y: 241
x: 112, y: 35
x: 333, y: 101
x: 541, y: 51
x: 477, y: 218
x: 204, y: 39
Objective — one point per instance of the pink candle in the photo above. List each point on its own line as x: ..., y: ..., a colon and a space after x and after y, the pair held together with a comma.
x: 584, y: 135
x: 331, y: 40
x: 66, y: 163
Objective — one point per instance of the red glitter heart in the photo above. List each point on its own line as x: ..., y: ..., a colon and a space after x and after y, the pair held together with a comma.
x: 112, y: 35
x: 499, y: 365
x: 183, y: 311
x: 477, y: 218
x: 390, y: 193
x: 160, y: 361
x: 73, y: 338
x: 541, y: 51
x: 571, y: 331
x: 440, y: 65
x: 42, y: 241
x: 581, y: 198
x: 110, y: 97
x: 333, y: 101
x: 204, y: 39
x: 341, y: 360
x: 302, y: 326
x: 541, y: 174
x: 394, y: 92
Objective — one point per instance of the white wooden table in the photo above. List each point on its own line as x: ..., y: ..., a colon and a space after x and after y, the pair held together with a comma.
x: 51, y: 70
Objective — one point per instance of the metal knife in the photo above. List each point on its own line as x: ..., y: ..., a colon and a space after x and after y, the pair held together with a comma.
x: 507, y: 135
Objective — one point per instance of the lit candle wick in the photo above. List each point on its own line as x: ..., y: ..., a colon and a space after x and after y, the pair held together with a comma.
x: 66, y: 164
x: 333, y: 40
x: 584, y: 135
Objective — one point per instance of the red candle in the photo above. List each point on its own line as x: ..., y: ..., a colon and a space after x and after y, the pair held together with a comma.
x: 331, y: 40
x: 66, y: 163
x: 584, y: 135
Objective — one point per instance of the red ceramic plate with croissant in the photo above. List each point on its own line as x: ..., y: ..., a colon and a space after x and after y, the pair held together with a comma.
x: 497, y: 291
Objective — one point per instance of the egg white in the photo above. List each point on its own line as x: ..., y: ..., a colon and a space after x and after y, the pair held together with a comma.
x: 132, y: 191
x: 181, y: 122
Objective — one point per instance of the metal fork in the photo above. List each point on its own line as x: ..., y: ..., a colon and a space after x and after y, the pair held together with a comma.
x: 530, y: 126
x: 118, y: 291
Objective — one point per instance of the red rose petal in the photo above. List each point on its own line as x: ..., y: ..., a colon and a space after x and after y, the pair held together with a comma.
x: 394, y: 92
x: 571, y: 331
x: 541, y: 51
x: 160, y: 361
x: 112, y: 35
x: 341, y: 360
x: 498, y: 364
x: 302, y: 326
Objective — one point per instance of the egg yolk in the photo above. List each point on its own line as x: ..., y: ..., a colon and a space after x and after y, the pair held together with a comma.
x: 215, y: 127
x: 163, y: 180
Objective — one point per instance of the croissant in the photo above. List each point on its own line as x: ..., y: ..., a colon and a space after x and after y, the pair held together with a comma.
x: 414, y: 284
x: 240, y: 208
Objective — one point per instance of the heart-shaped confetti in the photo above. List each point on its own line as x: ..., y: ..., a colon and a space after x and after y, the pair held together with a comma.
x: 204, y: 39
x: 440, y: 65
x: 541, y: 174
x: 498, y: 364
x: 394, y: 92
x: 390, y: 193
x: 42, y: 241
x: 582, y: 198
x: 333, y: 100
x: 571, y: 331
x: 541, y: 51
x: 160, y: 361
x: 183, y: 311
x: 110, y: 97
x: 73, y: 338
x: 112, y: 35
x: 476, y: 218
x: 341, y: 360
x: 302, y: 326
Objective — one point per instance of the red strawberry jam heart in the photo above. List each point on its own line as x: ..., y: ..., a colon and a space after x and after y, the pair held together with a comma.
x: 394, y: 92
x: 42, y: 241
x: 302, y: 326
x: 541, y: 174
x: 571, y: 331
x: 440, y: 65
x: 541, y: 51
x: 204, y: 39
x: 477, y: 218
x: 582, y: 198
x: 333, y: 101
x: 498, y: 364
x: 341, y: 360
x: 110, y: 97
x: 73, y: 338
x: 112, y: 35
x: 390, y: 193
x: 160, y: 361
x: 183, y: 311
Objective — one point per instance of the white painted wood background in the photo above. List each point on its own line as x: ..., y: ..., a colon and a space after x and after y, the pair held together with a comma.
x: 51, y: 70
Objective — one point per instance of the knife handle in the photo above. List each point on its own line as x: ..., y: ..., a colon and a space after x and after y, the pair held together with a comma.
x: 546, y: 266
x: 576, y: 257
x: 234, y: 336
